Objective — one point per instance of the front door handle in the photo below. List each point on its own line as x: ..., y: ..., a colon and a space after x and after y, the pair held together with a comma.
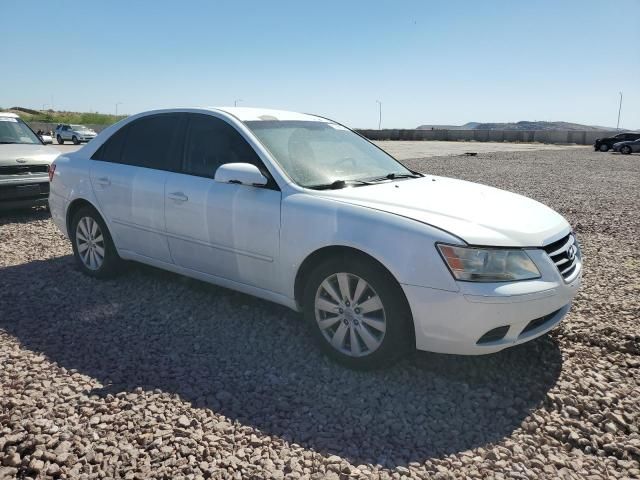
x: 178, y: 197
x: 104, y: 181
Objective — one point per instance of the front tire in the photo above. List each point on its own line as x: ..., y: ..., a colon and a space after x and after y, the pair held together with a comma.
x: 59, y: 140
x: 93, y: 247
x: 75, y: 140
x: 626, y: 149
x: 604, y: 147
x: 357, y: 313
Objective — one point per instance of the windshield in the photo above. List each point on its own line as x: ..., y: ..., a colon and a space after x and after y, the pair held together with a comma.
x: 14, y: 130
x: 79, y: 127
x: 320, y: 153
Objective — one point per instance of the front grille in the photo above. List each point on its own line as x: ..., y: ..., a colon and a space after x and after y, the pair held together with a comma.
x: 23, y: 169
x: 565, y: 253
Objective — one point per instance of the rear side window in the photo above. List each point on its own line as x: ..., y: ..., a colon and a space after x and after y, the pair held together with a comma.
x: 111, y: 150
x: 149, y: 142
x: 212, y: 142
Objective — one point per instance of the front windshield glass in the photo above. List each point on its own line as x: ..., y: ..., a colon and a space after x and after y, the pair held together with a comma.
x: 315, y: 153
x: 78, y: 127
x: 14, y: 130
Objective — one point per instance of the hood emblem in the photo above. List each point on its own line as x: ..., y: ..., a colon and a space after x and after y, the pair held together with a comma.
x: 571, y: 253
x: 21, y: 160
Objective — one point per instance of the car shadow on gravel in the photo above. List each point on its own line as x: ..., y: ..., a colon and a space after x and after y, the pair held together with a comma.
x: 253, y: 361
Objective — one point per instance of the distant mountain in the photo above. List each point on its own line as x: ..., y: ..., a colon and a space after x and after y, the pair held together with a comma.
x: 523, y: 125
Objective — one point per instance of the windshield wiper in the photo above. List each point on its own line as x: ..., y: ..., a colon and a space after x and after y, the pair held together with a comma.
x: 338, y: 184
x: 395, y: 176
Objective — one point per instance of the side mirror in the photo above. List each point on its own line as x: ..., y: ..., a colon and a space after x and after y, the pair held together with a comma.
x: 243, y: 173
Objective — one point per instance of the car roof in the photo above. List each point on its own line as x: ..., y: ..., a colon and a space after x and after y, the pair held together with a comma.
x: 246, y: 114
x: 9, y: 114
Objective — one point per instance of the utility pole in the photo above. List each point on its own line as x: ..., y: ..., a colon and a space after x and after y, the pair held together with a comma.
x: 379, y: 113
x: 119, y: 103
x: 619, y: 110
x: 235, y: 102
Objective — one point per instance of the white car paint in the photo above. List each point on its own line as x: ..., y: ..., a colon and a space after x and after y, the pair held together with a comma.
x: 255, y: 240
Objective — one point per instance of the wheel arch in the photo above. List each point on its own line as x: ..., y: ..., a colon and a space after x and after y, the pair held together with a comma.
x: 333, y: 251
x: 76, y: 205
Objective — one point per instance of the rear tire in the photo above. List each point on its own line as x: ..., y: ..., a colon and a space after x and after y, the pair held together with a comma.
x: 626, y: 149
x: 604, y: 147
x: 59, y: 140
x: 75, y: 140
x: 93, y: 247
x: 357, y: 313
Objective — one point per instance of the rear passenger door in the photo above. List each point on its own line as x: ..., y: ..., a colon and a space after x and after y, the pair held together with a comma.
x: 227, y: 230
x: 128, y: 176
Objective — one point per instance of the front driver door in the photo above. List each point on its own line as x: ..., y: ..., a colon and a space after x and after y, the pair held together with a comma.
x: 227, y: 230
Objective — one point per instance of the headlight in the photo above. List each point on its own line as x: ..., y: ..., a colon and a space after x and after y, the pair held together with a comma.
x: 488, y: 264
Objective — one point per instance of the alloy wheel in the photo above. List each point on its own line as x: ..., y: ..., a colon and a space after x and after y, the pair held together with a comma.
x: 350, y: 314
x: 90, y: 243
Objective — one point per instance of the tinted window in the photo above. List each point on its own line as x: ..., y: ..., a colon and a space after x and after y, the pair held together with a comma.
x: 150, y: 142
x: 111, y: 150
x: 212, y: 142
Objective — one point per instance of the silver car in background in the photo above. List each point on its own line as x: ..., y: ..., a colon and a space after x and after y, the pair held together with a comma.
x: 630, y: 146
x: 76, y: 133
x: 24, y: 164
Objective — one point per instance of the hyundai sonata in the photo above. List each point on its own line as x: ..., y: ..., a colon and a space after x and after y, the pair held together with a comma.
x: 300, y: 210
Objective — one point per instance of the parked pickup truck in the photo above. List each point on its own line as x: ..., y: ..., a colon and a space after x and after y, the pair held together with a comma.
x: 75, y: 133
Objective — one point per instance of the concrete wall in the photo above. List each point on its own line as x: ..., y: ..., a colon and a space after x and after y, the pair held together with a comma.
x: 527, y: 136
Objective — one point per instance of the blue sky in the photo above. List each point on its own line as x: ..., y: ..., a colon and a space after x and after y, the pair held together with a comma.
x: 442, y: 62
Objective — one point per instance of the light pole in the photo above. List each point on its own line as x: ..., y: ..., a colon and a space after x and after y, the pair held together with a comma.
x: 119, y: 103
x: 235, y: 102
x: 44, y: 105
x: 379, y: 113
x: 619, y: 109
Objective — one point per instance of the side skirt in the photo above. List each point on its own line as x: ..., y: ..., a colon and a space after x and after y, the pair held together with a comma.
x: 215, y: 280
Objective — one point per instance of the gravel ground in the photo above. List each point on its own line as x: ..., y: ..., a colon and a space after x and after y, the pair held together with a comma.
x: 153, y: 375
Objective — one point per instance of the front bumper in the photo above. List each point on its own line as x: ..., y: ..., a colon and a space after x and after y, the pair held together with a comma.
x: 455, y: 322
x: 23, y: 191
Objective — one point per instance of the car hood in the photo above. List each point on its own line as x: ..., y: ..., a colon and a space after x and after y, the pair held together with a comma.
x: 478, y: 214
x: 38, y: 154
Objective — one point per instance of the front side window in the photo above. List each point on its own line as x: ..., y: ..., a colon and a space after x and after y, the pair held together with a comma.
x: 317, y: 153
x: 14, y: 130
x: 212, y: 142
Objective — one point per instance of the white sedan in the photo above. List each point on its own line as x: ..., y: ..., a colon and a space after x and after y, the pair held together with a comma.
x: 299, y: 210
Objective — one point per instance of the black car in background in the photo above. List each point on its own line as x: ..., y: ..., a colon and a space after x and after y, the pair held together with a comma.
x: 605, y: 144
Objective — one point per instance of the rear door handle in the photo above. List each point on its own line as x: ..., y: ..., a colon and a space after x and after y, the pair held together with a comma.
x: 178, y: 197
x: 104, y: 181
